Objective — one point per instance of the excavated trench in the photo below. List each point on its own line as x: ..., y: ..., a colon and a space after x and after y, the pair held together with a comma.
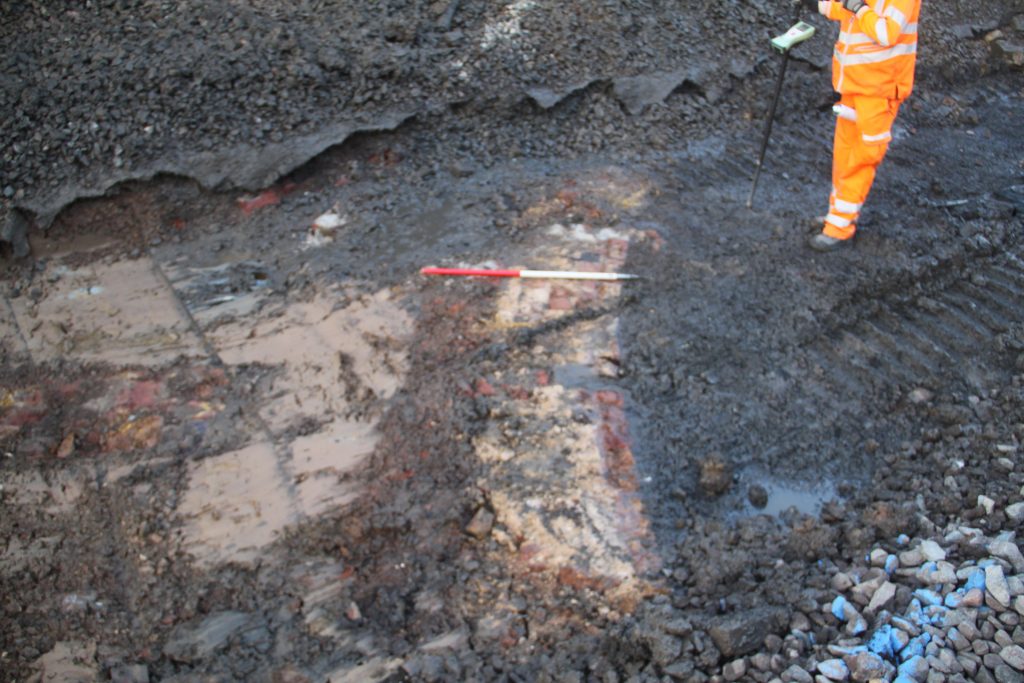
x: 245, y: 440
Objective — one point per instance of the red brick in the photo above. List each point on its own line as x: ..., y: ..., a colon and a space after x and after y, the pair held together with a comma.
x: 518, y: 393
x: 569, y: 576
x: 142, y: 394
x: 620, y: 466
x: 484, y: 388
x: 269, y: 197
x: 560, y: 299
x: 616, y: 249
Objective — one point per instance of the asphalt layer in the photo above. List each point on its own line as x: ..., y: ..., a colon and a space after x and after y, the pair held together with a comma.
x: 764, y: 416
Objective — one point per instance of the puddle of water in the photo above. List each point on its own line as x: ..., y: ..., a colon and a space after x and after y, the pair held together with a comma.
x: 226, y: 290
x: 806, y: 498
x: 120, y: 313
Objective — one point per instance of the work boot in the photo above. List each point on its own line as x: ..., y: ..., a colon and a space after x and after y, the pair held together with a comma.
x: 822, y: 242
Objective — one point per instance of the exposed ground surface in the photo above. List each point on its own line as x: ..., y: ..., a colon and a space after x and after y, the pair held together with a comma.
x: 244, y: 439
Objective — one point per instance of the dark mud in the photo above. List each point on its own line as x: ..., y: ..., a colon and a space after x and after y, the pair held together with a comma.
x: 245, y: 441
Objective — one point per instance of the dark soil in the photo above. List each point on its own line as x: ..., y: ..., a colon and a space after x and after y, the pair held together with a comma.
x: 787, y: 412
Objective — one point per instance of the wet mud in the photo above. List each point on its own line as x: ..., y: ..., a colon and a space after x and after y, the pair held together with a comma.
x: 244, y: 439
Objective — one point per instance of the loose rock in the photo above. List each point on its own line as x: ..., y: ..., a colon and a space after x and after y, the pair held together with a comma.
x: 1014, y: 656
x: 742, y: 633
x: 481, y: 524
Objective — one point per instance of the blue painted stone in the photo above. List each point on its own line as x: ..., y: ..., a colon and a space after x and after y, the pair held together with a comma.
x: 914, y: 668
x: 915, y: 648
x: 935, y: 615
x: 881, y: 642
x: 838, y: 608
x: 976, y: 579
x: 898, y: 640
x: 834, y: 669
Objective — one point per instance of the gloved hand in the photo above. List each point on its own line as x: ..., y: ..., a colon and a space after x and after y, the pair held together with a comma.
x: 823, y: 7
x: 853, y: 5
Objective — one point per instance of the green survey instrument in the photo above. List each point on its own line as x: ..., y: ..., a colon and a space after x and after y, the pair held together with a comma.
x: 798, y: 33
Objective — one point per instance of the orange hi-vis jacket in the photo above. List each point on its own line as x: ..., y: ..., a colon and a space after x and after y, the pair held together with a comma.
x: 875, y: 54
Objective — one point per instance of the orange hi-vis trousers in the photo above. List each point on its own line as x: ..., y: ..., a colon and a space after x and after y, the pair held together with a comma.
x: 863, y: 132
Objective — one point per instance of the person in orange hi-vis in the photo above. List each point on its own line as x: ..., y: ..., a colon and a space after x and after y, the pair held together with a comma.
x: 873, y: 72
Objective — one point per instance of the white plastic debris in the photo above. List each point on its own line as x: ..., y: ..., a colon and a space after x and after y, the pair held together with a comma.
x: 329, y: 221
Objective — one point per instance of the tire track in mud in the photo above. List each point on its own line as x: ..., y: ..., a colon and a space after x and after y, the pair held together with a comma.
x: 917, y: 346
x: 886, y: 352
x: 786, y: 366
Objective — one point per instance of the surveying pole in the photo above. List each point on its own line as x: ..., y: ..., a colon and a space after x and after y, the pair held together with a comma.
x: 797, y: 34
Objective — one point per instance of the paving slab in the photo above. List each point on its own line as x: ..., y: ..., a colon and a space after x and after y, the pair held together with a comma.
x: 318, y: 462
x: 341, y: 334
x: 122, y: 313
x: 332, y: 362
x: 235, y: 504
x: 11, y: 340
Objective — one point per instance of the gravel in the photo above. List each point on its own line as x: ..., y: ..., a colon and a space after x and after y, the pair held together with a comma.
x: 88, y: 106
x: 918, y: 577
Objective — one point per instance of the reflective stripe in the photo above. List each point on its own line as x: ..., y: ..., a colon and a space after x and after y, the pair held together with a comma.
x: 880, y: 7
x: 859, y: 38
x: 876, y: 138
x: 838, y: 221
x: 850, y: 23
x: 854, y: 38
x: 882, y: 31
x: 897, y: 16
x: 845, y: 207
x: 875, y: 57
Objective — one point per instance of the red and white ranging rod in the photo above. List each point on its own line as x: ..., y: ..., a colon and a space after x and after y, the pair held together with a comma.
x: 533, y: 274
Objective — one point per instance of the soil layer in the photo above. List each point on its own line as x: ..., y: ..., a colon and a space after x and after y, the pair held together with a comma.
x: 244, y: 439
